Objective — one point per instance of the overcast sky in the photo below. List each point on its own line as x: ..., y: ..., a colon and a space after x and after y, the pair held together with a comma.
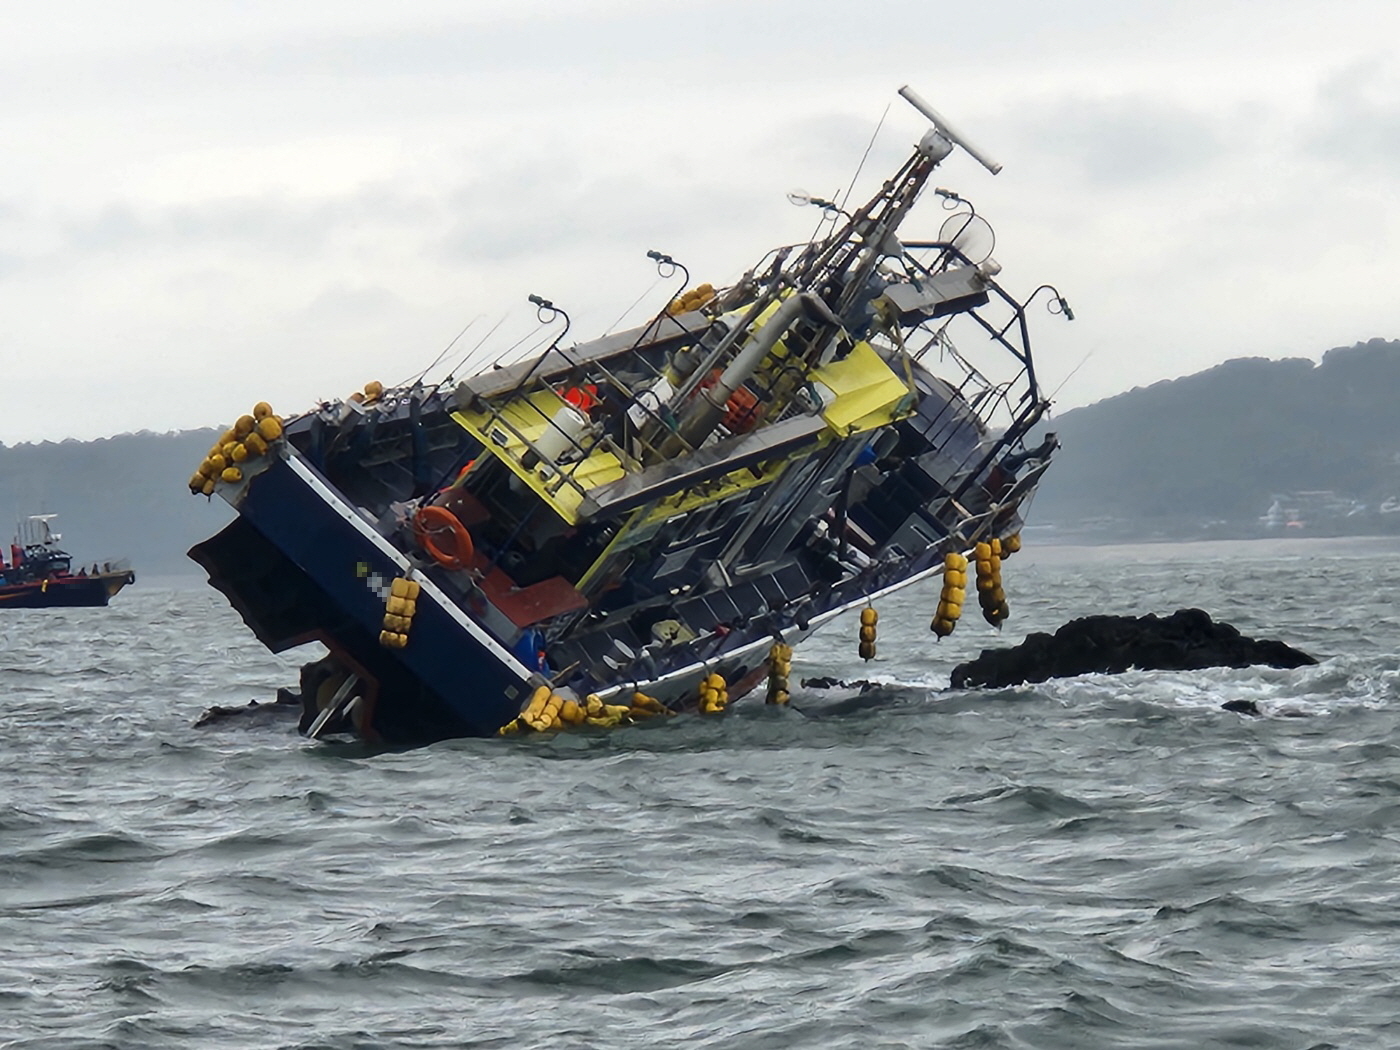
x: 207, y: 204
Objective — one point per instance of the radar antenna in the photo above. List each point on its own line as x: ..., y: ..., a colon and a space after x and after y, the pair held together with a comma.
x: 941, y: 125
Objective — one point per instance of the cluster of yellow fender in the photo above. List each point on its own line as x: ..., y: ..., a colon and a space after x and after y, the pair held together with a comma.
x: 779, y: 667
x: 868, y: 619
x: 372, y: 392
x: 247, y: 439
x: 989, y: 591
x: 546, y: 710
x: 714, y: 695
x: 950, y: 599
x: 399, y: 609
x: 691, y: 300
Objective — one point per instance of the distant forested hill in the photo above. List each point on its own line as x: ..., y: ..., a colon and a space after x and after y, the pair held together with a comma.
x: 116, y: 497
x: 1222, y: 443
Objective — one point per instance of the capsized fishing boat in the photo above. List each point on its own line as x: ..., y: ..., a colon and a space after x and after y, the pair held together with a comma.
x: 39, y: 574
x: 645, y: 523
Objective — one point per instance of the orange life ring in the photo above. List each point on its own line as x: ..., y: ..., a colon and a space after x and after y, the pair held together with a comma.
x: 432, y: 524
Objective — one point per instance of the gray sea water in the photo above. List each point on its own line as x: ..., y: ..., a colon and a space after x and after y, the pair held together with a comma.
x: 1097, y: 862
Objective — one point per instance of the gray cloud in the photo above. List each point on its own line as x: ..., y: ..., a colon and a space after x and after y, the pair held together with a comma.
x: 277, y: 223
x: 1358, y: 121
x: 549, y: 211
x: 1128, y: 141
x: 322, y: 186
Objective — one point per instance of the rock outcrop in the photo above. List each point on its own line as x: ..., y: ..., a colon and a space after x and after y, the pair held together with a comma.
x: 1186, y: 640
x: 287, y: 706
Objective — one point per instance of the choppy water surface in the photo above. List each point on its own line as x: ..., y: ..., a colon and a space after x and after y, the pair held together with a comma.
x: 1106, y: 861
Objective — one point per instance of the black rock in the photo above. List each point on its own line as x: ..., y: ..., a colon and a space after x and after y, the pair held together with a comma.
x: 1243, y: 707
x: 837, y: 683
x: 287, y: 704
x: 1187, y: 640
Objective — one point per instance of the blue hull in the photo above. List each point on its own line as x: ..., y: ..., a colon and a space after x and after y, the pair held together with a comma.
x: 452, y: 678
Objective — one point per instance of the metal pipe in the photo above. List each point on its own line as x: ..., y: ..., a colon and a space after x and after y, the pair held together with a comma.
x: 709, y: 405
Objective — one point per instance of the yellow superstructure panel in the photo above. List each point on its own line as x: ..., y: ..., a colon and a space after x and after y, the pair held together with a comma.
x: 505, y: 434
x: 867, y: 393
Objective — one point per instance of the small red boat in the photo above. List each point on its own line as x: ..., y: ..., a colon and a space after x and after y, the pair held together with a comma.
x: 39, y: 575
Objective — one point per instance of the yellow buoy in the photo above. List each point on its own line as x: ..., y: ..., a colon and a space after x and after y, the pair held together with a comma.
x: 990, y: 595
x: 952, y: 595
x: 262, y: 410
x: 712, y: 694
x: 536, y: 703
x: 270, y: 428
x: 642, y: 702
x: 779, y: 667
x: 868, y: 619
x: 232, y: 475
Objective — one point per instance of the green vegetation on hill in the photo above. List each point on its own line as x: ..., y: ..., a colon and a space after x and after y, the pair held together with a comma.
x: 1217, y: 446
